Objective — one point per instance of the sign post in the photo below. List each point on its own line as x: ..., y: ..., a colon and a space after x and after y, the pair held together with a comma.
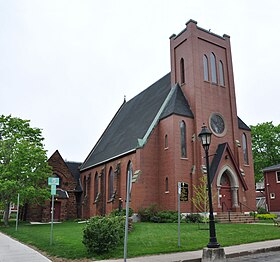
x: 179, y: 213
x: 53, y: 182
x: 183, y: 192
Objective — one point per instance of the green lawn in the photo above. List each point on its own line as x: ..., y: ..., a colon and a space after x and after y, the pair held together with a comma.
x: 146, y: 238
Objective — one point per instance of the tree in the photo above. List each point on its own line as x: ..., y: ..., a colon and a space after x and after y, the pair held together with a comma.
x: 23, y: 163
x: 200, y: 199
x: 265, y: 147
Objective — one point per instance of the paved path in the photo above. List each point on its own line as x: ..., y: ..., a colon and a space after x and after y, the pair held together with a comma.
x: 13, y: 251
x: 195, y: 256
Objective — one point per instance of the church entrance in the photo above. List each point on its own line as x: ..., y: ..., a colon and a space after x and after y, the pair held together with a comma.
x: 225, y: 193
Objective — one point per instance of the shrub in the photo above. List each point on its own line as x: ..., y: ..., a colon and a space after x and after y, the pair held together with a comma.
x: 116, y: 212
x: 168, y: 216
x: 147, y: 213
x: 194, y: 218
x: 262, y: 210
x: 103, y: 234
x: 266, y: 216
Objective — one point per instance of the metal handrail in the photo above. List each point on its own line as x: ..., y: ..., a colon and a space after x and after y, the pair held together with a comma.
x: 241, y: 204
x: 228, y: 210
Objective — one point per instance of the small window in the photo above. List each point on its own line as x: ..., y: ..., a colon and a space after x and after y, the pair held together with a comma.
x: 272, y: 195
x: 221, y: 73
x: 166, y: 142
x: 245, y: 149
x: 278, y: 176
x: 95, y: 185
x: 182, y: 70
x: 111, y: 184
x: 213, y: 68
x: 205, y: 68
x: 183, y: 139
x: 166, y: 185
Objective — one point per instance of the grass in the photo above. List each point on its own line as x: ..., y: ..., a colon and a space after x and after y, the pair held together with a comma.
x: 146, y: 238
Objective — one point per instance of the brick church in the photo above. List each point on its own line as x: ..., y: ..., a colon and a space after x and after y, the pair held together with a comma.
x: 154, y: 136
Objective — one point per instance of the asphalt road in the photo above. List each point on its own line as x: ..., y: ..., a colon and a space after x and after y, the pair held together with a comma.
x: 261, y: 257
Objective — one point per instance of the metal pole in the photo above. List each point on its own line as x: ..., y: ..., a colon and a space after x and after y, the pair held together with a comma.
x: 179, y: 215
x: 126, y: 214
x: 52, y: 213
x: 17, y: 213
x: 213, y: 240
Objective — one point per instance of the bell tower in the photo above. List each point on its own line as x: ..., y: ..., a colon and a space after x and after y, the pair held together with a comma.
x: 201, y: 64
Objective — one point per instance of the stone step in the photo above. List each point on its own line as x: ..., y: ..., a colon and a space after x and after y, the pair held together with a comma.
x: 235, y: 217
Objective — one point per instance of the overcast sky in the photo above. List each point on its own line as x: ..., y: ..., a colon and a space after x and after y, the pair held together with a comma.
x: 66, y: 65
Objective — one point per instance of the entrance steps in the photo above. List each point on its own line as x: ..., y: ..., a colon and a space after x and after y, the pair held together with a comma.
x: 234, y: 217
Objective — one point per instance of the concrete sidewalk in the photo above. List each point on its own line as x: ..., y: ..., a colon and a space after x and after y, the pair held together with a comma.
x: 195, y: 256
x: 13, y: 251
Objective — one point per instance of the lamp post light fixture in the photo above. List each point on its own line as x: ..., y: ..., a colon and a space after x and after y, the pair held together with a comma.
x: 205, y: 138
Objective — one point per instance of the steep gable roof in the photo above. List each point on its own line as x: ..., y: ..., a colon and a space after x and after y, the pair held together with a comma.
x: 220, y: 152
x: 177, y: 104
x: 129, y: 124
x: 242, y: 125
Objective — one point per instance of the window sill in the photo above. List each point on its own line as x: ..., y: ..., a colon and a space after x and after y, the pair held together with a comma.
x: 184, y: 158
x: 166, y: 192
x: 166, y: 148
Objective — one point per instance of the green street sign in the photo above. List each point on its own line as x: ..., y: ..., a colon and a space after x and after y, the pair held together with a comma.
x: 53, y: 181
x: 53, y: 190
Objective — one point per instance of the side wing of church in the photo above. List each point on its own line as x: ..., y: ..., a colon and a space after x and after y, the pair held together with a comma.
x: 154, y: 136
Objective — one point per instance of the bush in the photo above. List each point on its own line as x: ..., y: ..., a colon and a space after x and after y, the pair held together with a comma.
x: 103, y: 234
x: 146, y: 214
x: 262, y: 210
x: 168, y: 216
x: 266, y: 216
x: 194, y: 218
x: 116, y: 212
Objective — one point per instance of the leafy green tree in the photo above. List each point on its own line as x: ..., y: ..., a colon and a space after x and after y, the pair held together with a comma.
x: 23, y: 163
x: 265, y: 147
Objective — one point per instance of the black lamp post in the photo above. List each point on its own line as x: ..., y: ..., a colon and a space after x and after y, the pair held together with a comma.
x: 205, y: 137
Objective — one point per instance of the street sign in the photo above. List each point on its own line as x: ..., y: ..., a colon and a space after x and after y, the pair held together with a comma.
x: 53, y: 190
x: 53, y: 181
x: 184, y: 191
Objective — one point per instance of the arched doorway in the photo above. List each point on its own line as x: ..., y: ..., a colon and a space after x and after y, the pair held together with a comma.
x: 227, y: 185
x: 225, y: 193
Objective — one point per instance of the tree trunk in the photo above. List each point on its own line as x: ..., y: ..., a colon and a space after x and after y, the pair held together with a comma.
x: 6, y: 214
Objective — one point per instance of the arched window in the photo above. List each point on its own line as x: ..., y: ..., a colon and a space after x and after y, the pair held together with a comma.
x: 245, y: 149
x: 221, y: 73
x: 213, y: 68
x: 95, y: 185
x: 183, y: 139
x: 111, y: 184
x: 166, y: 141
x: 205, y: 68
x: 182, y: 70
x: 166, y: 185
x: 129, y: 174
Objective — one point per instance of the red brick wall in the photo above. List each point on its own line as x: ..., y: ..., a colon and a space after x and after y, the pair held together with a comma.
x: 271, y: 186
x: 68, y: 183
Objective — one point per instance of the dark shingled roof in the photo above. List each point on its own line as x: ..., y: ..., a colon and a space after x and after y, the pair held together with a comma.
x: 242, y: 125
x: 74, y: 169
x: 217, y: 159
x: 271, y: 168
x: 129, y: 124
x: 177, y: 104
